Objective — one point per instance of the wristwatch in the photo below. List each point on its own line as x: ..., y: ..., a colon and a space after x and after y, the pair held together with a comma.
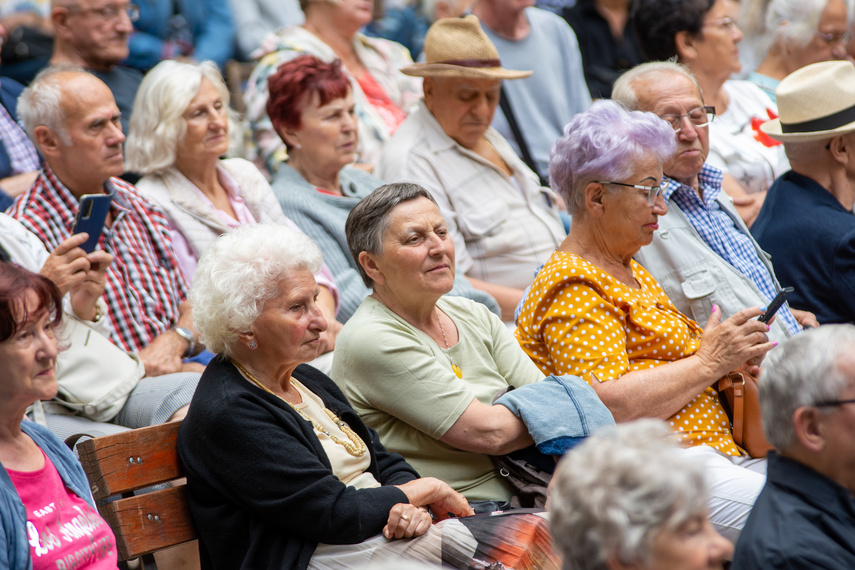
x: 187, y: 335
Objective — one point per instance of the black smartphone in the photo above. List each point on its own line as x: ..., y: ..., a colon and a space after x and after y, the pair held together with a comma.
x: 91, y: 217
x: 775, y: 304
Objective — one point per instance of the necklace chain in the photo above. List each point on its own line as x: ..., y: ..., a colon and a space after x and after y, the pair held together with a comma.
x: 356, y: 447
x: 454, y: 366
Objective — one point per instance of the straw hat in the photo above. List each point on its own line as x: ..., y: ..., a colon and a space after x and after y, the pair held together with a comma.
x: 815, y: 102
x: 458, y: 47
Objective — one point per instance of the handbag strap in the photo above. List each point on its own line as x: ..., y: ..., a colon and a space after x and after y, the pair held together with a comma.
x: 735, y: 381
x: 508, y: 110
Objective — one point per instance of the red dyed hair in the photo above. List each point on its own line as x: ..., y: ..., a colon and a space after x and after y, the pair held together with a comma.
x: 294, y: 83
x: 15, y: 282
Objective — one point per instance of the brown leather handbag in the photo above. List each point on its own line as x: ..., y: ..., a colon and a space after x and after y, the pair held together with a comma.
x: 739, y: 396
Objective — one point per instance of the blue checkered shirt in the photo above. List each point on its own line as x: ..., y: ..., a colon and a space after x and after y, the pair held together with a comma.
x: 719, y: 232
x: 22, y: 154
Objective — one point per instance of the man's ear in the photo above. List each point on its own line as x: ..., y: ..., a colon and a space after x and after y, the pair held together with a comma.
x: 59, y: 20
x: 594, y: 194
x: 47, y: 141
x: 428, y: 86
x: 807, y: 422
x: 685, y: 44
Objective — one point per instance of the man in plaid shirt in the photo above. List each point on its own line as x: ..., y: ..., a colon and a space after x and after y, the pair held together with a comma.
x: 73, y: 119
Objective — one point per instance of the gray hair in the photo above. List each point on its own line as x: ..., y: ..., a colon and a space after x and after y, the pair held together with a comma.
x: 794, y: 22
x: 157, y: 120
x: 616, y: 491
x: 40, y: 104
x: 368, y: 221
x: 239, y: 273
x: 803, y: 371
x: 624, y: 88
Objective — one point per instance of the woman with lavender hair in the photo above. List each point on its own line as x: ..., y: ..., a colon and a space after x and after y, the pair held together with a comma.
x: 594, y: 312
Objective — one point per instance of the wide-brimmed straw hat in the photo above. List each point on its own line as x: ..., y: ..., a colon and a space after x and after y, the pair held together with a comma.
x: 458, y: 47
x: 815, y: 102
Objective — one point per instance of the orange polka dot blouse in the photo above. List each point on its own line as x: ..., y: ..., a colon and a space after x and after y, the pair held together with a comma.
x: 579, y: 320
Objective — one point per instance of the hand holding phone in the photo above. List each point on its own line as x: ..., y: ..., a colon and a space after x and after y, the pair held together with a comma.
x: 776, y: 304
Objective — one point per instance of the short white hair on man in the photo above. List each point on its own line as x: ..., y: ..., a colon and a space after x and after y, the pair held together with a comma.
x: 624, y: 88
x: 803, y: 371
x: 40, y: 104
x: 157, y: 121
x: 239, y: 273
x: 616, y: 491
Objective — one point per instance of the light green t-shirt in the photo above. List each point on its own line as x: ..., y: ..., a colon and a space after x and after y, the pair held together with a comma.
x: 401, y: 383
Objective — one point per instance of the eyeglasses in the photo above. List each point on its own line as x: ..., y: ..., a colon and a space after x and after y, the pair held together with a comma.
x: 111, y: 12
x: 653, y: 192
x: 830, y: 403
x: 838, y: 38
x: 724, y: 23
x: 700, y: 117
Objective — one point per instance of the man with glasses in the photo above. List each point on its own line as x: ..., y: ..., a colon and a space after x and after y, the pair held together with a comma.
x: 94, y: 34
x: 702, y: 254
x: 805, y: 516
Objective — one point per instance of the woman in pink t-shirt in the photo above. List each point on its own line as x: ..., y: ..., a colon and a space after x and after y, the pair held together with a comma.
x: 47, y: 516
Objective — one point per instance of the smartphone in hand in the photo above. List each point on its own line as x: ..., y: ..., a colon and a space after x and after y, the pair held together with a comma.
x: 91, y: 217
x: 776, y: 303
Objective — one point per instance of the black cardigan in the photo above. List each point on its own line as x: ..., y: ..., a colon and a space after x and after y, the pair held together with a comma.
x: 260, y: 486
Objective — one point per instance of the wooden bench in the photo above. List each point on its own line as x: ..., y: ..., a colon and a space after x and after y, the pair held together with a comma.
x: 119, y: 464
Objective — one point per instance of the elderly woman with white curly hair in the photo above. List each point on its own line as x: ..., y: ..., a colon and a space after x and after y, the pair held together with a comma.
x: 179, y: 131
x: 281, y: 472
x: 797, y: 33
x: 627, y: 499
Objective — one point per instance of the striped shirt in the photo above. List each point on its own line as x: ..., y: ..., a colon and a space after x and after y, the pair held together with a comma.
x: 720, y: 233
x: 144, y: 284
x: 22, y: 154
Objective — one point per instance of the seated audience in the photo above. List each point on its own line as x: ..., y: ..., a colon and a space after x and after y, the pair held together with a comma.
x: 197, y: 30
x: 45, y: 492
x: 704, y: 36
x: 74, y: 121
x: 596, y: 313
x: 607, y: 39
x: 281, y: 472
x: 800, y: 32
x: 528, y: 37
x: 311, y: 108
x: 95, y: 36
x: 179, y: 131
x: 422, y: 368
x: 612, y: 508
x: 702, y: 254
x: 807, y: 224
x: 27, y: 38
x: 382, y: 96
x: 254, y: 20
x: 503, y: 223
x: 804, y: 517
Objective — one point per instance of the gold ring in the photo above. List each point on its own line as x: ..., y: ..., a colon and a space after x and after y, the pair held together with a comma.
x: 405, y: 517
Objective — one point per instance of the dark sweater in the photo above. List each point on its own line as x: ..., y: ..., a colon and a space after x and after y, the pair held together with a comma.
x: 260, y: 486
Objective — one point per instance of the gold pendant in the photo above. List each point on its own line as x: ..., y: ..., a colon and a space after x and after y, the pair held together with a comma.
x: 457, y: 370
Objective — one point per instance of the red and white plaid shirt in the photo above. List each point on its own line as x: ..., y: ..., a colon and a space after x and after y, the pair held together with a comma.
x: 144, y: 284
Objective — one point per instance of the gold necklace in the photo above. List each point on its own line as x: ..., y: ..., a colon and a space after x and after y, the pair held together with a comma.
x: 457, y: 370
x: 356, y: 447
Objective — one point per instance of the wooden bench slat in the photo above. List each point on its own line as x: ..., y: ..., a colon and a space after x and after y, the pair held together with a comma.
x: 150, y: 522
x: 131, y: 460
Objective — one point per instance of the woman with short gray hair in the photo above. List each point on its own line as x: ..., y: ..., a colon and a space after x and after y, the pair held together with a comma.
x: 626, y: 498
x: 800, y: 32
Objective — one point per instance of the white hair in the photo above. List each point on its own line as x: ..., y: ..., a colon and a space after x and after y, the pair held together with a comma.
x: 239, y: 273
x: 794, y: 22
x: 624, y: 88
x: 40, y: 104
x: 157, y: 121
x: 803, y: 371
x: 616, y: 491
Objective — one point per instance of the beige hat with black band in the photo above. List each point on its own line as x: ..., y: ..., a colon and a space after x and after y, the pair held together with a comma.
x: 458, y: 47
x: 815, y: 102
